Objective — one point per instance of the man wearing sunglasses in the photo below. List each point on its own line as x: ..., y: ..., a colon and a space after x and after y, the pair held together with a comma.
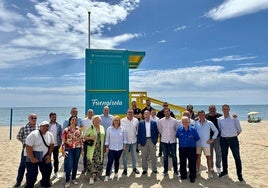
x: 21, y: 136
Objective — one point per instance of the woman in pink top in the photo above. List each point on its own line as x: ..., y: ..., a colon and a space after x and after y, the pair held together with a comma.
x: 71, y: 149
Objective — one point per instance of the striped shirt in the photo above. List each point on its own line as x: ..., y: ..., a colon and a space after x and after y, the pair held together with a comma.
x: 167, y: 127
x: 25, y: 131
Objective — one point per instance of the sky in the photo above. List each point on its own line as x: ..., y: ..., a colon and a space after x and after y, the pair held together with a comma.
x: 197, y: 52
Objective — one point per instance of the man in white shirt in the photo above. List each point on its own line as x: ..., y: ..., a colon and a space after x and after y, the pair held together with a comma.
x: 167, y: 127
x: 38, y: 154
x: 56, y: 130
x: 130, y: 123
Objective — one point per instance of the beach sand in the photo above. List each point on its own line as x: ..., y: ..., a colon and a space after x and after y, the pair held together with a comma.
x: 253, y: 150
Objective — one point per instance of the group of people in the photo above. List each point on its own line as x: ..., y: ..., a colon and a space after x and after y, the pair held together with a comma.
x: 104, y: 138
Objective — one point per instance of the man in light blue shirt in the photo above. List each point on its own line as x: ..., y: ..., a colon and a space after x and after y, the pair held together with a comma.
x: 106, y: 118
x: 203, y: 128
x: 74, y: 112
x: 230, y: 129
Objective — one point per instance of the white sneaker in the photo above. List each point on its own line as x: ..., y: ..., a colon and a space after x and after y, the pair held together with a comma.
x: 210, y: 175
x: 74, y: 182
x: 56, y: 175
x: 117, y: 176
x: 218, y: 170
x: 106, y: 179
x: 91, y: 181
x: 67, y: 184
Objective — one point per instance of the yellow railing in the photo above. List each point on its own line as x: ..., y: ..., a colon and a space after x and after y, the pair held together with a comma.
x: 141, y: 97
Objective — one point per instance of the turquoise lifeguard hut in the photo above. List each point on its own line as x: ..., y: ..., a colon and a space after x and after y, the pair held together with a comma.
x: 107, y: 79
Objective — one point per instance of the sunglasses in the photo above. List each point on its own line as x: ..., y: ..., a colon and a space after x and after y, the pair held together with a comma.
x: 33, y: 118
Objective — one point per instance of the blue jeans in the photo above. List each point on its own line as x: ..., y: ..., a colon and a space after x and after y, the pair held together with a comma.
x: 71, y: 163
x: 22, y: 167
x: 170, y: 149
x: 113, y: 156
x: 32, y: 172
x: 132, y: 149
x: 233, y: 143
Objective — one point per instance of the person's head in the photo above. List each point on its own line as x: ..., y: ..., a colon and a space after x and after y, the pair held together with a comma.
x: 167, y: 112
x: 96, y: 120
x: 148, y: 103
x: 153, y: 113
x: 130, y: 113
x: 147, y: 115
x: 73, y: 121
x: 106, y: 110
x: 165, y: 105
x: 201, y: 115
x: 90, y: 113
x: 186, y: 113
x: 225, y: 110
x: 74, y: 111
x: 32, y: 118
x: 134, y: 104
x: 190, y: 108
x: 53, y: 117
x: 116, y: 122
x: 185, y: 121
x: 212, y: 110
x: 44, y: 127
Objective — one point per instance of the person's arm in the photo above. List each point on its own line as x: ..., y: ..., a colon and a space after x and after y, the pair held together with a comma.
x: 238, y: 126
x: 20, y: 134
x: 30, y: 155
x: 215, y: 133
x: 107, y: 141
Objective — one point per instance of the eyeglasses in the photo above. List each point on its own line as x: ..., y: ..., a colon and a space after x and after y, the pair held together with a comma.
x: 33, y: 118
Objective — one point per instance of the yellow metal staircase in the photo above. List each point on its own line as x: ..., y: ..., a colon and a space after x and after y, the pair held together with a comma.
x: 141, y: 97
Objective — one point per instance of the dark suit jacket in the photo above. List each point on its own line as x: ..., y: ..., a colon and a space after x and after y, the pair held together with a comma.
x: 141, y: 137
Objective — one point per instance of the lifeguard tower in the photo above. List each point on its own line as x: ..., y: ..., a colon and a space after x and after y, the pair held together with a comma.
x: 107, y: 79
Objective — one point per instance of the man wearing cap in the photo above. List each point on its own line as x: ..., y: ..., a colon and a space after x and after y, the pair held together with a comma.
x: 39, y: 146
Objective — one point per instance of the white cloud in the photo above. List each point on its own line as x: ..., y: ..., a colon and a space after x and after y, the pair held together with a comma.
x: 209, y: 84
x: 235, y: 8
x: 162, y: 41
x: 230, y: 58
x: 8, y: 19
x: 180, y: 28
x: 62, y: 29
x: 196, y: 85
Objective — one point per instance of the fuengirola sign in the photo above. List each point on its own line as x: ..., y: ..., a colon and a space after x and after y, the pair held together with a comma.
x: 96, y: 102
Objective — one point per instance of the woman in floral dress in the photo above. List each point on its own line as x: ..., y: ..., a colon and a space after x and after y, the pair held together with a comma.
x: 95, y: 153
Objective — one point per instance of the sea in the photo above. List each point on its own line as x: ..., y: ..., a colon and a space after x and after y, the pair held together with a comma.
x: 17, y: 116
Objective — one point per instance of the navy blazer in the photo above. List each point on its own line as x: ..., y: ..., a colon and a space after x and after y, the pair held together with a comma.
x: 141, y: 137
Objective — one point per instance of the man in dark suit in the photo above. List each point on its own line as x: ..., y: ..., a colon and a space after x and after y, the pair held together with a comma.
x: 146, y: 139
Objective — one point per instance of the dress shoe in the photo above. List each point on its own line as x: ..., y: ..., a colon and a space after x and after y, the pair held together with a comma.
x: 192, y: 180
x: 125, y: 172
x: 155, y: 171
x: 136, y: 171
x: 17, y: 184
x: 240, y: 178
x: 144, y: 172
x: 223, y: 173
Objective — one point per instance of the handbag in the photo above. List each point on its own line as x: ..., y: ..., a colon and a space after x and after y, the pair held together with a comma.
x: 89, y: 142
